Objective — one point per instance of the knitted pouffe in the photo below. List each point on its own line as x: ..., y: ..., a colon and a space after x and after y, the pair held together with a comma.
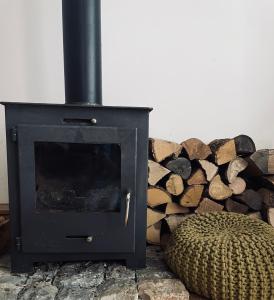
x: 224, y: 256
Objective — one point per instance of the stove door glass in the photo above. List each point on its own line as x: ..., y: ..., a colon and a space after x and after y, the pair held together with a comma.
x: 77, y: 177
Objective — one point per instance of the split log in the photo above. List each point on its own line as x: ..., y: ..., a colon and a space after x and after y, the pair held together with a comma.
x: 154, y: 234
x: 198, y: 177
x: 210, y: 169
x: 207, y: 206
x: 267, y: 196
x: 270, y: 216
x: 174, y: 221
x: 192, y: 196
x: 196, y: 149
x: 244, y: 145
x: 218, y: 190
x: 163, y: 149
x: 224, y: 151
x: 175, y: 185
x: 154, y: 216
x: 174, y: 208
x: 238, y: 185
x: 236, y: 166
x: 164, y: 240
x: 156, y: 172
x: 252, y: 199
x: 157, y: 196
x: 236, y: 207
x: 255, y: 215
x: 267, y: 181
x: 261, y: 162
x: 180, y: 166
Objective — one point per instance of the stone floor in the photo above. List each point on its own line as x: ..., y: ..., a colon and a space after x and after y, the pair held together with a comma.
x: 93, y: 280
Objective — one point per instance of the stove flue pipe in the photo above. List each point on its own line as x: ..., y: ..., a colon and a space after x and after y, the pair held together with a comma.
x: 82, y: 51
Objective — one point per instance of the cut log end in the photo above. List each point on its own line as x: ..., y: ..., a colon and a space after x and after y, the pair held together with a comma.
x: 196, y: 149
x: 218, y: 190
x: 175, y: 185
x: 238, y: 186
x: 162, y: 149
x: 210, y: 169
x: 192, y: 196
x: 157, y: 196
x: 156, y: 172
x: 224, y: 151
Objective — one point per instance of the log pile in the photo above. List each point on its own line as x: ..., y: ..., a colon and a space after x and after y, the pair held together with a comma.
x: 193, y: 177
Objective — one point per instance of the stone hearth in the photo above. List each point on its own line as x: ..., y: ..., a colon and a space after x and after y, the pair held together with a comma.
x: 93, y: 280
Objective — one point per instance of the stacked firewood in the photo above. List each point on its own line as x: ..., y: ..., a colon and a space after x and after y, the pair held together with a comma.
x: 193, y: 177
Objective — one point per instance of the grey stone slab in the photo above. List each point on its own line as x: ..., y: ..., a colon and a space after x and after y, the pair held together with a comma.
x: 117, y: 271
x: 76, y: 293
x: 39, y: 291
x: 162, y: 289
x: 84, y: 275
x: 45, y: 273
x: 10, y: 284
x: 156, y: 268
x: 117, y: 289
x: 16, y: 279
x: 9, y: 291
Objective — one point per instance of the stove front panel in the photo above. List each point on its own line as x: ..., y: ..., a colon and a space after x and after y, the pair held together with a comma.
x: 77, y: 188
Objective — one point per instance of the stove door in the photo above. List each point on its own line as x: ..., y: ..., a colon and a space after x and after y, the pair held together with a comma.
x: 77, y: 188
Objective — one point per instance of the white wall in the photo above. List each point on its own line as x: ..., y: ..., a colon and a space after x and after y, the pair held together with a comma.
x: 207, y: 67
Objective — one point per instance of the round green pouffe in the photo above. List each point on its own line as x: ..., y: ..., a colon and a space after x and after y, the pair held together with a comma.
x: 224, y: 256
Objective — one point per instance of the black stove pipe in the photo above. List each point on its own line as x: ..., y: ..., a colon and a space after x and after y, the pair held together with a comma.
x: 82, y: 51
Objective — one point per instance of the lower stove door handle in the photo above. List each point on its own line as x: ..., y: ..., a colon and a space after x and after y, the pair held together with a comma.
x: 128, y: 197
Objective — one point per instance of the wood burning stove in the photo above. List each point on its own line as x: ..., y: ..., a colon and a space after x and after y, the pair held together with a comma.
x: 77, y: 172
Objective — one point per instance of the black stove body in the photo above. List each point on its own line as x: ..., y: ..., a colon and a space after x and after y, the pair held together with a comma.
x: 77, y: 172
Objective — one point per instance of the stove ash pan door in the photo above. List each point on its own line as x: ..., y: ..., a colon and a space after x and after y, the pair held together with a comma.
x: 77, y: 188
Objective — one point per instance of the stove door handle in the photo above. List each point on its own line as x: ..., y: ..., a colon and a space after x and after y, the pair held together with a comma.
x: 128, y: 198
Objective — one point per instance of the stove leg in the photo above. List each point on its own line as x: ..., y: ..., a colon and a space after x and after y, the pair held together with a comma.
x: 134, y: 263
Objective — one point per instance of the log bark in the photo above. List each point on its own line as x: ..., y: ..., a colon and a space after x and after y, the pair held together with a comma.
x: 238, y: 185
x: 196, y: 149
x: 198, y: 177
x: 252, y: 199
x: 261, y: 162
x: 192, y: 196
x: 236, y: 166
x: 174, y: 208
x: 267, y: 196
x: 154, y: 216
x: 244, y: 145
x: 180, y: 166
x: 270, y: 216
x: 162, y: 149
x: 218, y: 190
x: 208, y: 206
x: 175, y: 185
x: 223, y: 150
x: 234, y: 206
x: 174, y: 221
x: 210, y: 169
x: 255, y: 215
x: 156, y: 172
x: 154, y: 234
x: 157, y: 196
